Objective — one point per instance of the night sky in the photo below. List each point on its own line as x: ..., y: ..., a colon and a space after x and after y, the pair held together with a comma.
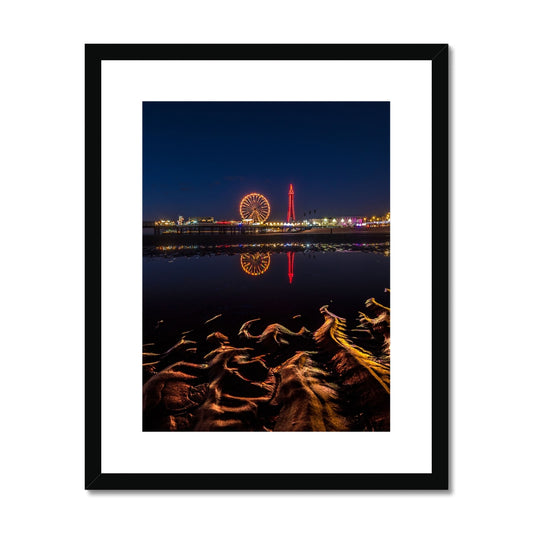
x: 201, y: 158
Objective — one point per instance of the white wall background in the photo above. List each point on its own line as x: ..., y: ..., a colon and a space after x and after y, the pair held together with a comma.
x: 41, y: 121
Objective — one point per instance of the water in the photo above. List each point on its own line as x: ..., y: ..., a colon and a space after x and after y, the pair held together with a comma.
x: 185, y: 286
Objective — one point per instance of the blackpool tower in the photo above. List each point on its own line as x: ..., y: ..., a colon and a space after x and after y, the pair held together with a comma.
x: 290, y: 213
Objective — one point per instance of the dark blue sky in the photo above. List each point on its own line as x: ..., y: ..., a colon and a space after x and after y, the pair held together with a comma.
x: 201, y: 158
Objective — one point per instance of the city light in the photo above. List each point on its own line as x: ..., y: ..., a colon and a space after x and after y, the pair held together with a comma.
x: 255, y: 209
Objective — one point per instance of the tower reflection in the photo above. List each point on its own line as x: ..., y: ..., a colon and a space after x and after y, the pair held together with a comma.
x: 290, y: 258
x: 257, y: 263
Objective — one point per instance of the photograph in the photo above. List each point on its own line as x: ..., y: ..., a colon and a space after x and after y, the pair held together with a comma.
x: 266, y: 266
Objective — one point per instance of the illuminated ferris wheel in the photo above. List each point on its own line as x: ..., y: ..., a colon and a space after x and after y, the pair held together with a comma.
x: 254, y: 207
x: 255, y: 264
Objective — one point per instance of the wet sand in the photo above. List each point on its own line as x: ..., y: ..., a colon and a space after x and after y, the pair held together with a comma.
x: 272, y: 378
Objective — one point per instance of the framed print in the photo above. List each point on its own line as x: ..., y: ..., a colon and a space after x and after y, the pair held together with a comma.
x: 266, y: 267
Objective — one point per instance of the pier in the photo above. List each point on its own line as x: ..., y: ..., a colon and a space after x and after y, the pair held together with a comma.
x: 214, y: 228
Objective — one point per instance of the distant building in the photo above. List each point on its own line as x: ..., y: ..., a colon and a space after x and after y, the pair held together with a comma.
x: 201, y: 220
x: 342, y: 221
x: 349, y: 220
x: 164, y: 222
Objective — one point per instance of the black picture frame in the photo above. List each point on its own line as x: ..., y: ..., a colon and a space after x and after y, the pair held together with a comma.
x: 438, y: 478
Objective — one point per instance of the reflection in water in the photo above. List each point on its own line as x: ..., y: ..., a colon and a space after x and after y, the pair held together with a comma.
x: 179, y: 250
x: 184, y: 285
x: 290, y: 258
x: 256, y: 263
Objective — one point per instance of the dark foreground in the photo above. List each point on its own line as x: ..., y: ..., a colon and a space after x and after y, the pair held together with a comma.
x: 273, y: 380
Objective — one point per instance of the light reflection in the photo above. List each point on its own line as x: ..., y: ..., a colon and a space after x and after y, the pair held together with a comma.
x: 255, y: 264
x: 290, y: 258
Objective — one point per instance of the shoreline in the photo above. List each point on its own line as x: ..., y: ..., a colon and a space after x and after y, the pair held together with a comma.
x: 316, y: 236
x: 187, y: 250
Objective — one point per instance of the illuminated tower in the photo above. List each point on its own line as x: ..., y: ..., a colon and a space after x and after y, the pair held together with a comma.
x: 290, y: 213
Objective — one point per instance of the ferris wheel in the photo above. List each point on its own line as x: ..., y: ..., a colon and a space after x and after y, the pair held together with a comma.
x: 254, y: 207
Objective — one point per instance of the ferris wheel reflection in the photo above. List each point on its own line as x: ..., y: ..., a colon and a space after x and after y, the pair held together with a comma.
x: 255, y: 264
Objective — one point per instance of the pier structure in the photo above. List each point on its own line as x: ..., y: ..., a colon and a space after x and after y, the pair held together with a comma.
x: 218, y: 228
